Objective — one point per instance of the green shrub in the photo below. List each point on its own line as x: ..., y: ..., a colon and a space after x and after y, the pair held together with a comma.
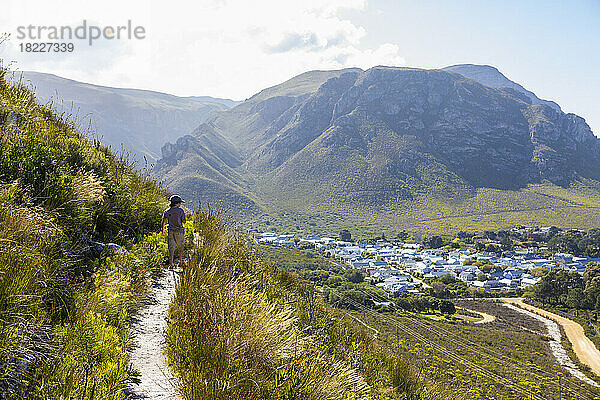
x: 93, y: 362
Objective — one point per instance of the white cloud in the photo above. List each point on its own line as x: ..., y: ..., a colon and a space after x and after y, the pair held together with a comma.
x: 229, y: 48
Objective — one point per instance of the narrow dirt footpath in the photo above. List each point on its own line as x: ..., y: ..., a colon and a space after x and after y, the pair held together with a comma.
x: 583, y: 347
x: 148, y: 338
x: 487, y: 318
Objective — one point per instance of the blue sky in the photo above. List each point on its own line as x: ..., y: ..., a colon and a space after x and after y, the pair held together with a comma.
x: 234, y: 48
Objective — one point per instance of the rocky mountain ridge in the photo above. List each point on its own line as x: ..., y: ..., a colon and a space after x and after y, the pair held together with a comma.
x: 377, y: 139
x: 452, y: 118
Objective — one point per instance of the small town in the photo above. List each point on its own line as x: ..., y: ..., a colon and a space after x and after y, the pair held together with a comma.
x: 406, y: 267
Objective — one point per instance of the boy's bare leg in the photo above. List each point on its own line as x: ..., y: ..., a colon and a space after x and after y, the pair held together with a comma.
x: 171, y: 251
x: 181, y: 257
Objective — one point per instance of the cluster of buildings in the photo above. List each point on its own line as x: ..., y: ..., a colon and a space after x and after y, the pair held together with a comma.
x: 403, y: 267
x: 274, y: 239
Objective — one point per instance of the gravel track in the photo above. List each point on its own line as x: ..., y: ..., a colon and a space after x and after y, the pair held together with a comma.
x: 583, y: 347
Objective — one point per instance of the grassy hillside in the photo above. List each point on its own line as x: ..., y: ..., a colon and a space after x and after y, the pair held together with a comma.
x: 64, y: 303
x: 576, y: 206
x: 240, y: 328
x: 508, y: 358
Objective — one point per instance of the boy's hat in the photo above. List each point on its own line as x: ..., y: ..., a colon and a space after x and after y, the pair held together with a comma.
x: 175, y: 199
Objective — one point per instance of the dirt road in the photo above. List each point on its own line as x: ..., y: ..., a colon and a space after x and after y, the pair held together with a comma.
x: 486, y: 317
x: 583, y: 347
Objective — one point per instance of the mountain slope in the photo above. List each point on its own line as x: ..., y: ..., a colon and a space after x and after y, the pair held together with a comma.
x: 394, y: 146
x: 458, y: 122
x: 65, y: 297
x: 251, y: 123
x: 142, y: 120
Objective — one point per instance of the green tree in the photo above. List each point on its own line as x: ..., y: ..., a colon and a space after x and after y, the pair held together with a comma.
x: 448, y: 278
x: 464, y: 235
x: 554, y: 287
x: 486, y: 268
x: 543, y: 290
x: 439, y: 289
x: 592, y: 271
x: 345, y: 235
x: 354, y: 276
x: 305, y: 246
x: 506, y: 243
x: 492, y: 248
x: 575, y: 298
x: 590, y: 244
x: 592, y: 290
x: 434, y: 242
x: 334, y: 281
x: 447, y: 307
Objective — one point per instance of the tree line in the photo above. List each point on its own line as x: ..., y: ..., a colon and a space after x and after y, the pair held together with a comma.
x: 569, y: 289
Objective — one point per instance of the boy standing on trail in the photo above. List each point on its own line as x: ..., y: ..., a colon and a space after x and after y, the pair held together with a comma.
x: 175, y: 217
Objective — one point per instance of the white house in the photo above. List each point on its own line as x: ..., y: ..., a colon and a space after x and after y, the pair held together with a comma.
x: 467, y: 276
x: 362, y: 264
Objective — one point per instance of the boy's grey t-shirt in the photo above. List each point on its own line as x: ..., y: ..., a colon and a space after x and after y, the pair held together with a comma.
x: 176, y: 218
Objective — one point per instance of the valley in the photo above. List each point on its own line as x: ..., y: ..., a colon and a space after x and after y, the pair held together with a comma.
x: 391, y: 149
x: 455, y: 187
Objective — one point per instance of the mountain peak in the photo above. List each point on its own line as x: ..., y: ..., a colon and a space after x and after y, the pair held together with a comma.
x: 306, y: 82
x: 490, y: 76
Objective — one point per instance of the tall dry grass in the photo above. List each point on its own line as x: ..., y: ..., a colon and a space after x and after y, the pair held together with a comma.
x: 33, y: 286
x: 242, y: 329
